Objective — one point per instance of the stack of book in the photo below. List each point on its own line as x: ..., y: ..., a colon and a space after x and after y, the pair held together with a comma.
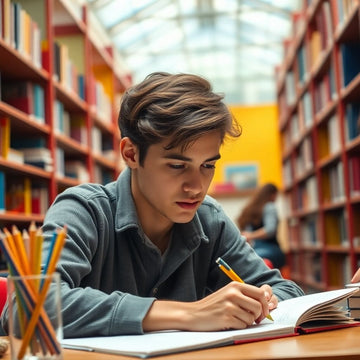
x: 353, y: 302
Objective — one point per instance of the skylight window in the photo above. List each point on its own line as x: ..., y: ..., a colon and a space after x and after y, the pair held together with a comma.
x: 233, y: 43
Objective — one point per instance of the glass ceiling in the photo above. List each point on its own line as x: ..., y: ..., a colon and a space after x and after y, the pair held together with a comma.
x: 235, y: 44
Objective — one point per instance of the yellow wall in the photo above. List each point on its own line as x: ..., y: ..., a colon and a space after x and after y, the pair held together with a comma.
x: 258, y: 143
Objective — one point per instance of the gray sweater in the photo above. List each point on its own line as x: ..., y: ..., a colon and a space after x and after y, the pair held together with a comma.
x: 111, y: 273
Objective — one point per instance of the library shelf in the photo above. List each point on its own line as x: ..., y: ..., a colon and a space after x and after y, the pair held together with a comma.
x: 19, y: 218
x: 318, y: 92
x: 13, y: 62
x: 61, y: 82
x: 17, y: 169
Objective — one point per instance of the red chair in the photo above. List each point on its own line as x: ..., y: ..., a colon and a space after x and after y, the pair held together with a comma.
x: 3, y: 292
x: 268, y: 263
x: 285, y: 270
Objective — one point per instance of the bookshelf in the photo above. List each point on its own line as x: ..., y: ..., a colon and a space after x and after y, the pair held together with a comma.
x: 318, y: 91
x: 61, y: 84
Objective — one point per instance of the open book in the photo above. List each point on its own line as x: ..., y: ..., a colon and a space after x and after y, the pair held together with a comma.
x: 309, y: 313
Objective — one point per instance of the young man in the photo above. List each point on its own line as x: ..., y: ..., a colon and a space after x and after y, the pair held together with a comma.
x: 141, y: 252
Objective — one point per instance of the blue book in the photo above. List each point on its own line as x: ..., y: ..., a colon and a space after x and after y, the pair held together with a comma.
x: 38, y: 103
x: 2, y: 191
x: 301, y: 57
x: 28, y: 142
x: 352, y: 120
x: 350, y: 55
x: 81, y: 86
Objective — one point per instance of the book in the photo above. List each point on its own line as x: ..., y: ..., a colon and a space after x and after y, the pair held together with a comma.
x: 4, y: 136
x: 39, y: 199
x: 6, y: 25
x: 2, y: 192
x: 38, y: 103
x: 354, y: 175
x: 19, y: 94
x: 353, y: 302
x: 355, y: 286
x: 355, y: 313
x: 350, y: 66
x: 352, y: 122
x: 15, y: 156
x: 76, y: 169
x: 296, y: 316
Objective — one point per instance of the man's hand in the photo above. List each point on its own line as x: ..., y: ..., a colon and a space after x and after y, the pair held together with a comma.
x: 235, y: 306
x: 271, y: 299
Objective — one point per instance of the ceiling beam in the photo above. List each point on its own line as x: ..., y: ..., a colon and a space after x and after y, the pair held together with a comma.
x: 137, y: 16
x: 142, y: 14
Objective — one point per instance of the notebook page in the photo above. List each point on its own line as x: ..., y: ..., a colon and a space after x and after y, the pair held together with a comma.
x: 292, y: 311
x: 165, y: 342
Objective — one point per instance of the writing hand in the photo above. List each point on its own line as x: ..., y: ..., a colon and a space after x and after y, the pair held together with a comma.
x: 271, y: 299
x: 235, y: 306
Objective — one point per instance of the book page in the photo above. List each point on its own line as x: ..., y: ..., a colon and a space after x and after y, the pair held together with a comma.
x: 166, y: 342
x: 305, y: 308
x: 354, y: 285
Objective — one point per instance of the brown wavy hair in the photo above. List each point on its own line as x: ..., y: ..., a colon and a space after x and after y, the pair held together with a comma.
x: 180, y: 107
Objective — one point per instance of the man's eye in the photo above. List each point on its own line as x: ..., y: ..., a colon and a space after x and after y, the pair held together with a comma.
x: 209, y: 166
x: 176, y: 166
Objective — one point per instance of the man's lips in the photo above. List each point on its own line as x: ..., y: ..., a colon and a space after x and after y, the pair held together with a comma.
x: 188, y: 204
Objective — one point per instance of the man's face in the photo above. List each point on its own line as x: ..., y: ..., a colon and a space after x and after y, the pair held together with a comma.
x: 171, y: 184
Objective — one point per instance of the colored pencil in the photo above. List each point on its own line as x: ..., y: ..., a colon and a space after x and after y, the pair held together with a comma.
x: 23, y: 256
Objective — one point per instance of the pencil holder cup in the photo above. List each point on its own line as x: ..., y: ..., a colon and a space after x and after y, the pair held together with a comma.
x: 35, y: 322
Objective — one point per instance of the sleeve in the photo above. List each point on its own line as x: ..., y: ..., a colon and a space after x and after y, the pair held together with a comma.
x: 89, y: 305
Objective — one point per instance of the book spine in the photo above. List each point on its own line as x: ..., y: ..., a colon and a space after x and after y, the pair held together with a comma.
x: 2, y: 191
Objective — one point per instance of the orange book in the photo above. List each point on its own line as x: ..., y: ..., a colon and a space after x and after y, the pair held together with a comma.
x: 27, y: 196
x: 6, y: 31
x: 4, y: 136
x: 64, y: 59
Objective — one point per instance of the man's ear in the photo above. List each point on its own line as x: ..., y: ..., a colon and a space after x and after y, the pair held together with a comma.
x: 129, y: 152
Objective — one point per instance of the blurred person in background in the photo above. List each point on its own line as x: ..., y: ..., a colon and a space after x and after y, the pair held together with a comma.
x: 259, y: 222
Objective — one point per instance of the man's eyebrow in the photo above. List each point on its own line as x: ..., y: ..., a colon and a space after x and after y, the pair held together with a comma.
x: 216, y: 157
x: 185, y: 158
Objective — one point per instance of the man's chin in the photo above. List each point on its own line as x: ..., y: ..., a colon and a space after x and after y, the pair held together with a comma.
x: 184, y: 219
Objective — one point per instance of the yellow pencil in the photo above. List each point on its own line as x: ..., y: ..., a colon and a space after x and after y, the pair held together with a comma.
x: 20, y: 247
x: 232, y: 275
x: 59, y: 244
x: 33, y: 247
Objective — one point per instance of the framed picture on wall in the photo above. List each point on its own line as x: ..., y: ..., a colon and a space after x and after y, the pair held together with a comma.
x: 242, y: 176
